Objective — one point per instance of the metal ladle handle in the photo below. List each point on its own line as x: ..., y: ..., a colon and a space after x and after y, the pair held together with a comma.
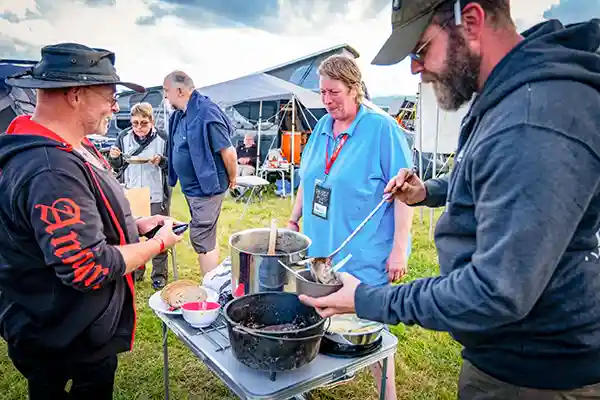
x: 359, y: 227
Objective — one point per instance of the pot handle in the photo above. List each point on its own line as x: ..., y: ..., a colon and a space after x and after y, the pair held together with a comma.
x: 262, y: 335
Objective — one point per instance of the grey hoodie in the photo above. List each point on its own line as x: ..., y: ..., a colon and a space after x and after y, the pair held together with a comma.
x: 518, y: 243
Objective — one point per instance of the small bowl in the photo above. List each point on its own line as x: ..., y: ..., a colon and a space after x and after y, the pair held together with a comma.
x: 312, y: 288
x: 200, y: 314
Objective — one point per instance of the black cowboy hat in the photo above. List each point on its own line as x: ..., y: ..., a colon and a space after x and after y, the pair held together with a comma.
x: 67, y: 65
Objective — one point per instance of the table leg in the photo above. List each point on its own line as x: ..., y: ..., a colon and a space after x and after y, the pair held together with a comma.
x: 384, y: 378
x: 174, y: 262
x: 283, y: 182
x: 165, y: 333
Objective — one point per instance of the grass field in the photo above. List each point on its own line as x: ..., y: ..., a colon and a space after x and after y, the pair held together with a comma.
x: 427, y: 363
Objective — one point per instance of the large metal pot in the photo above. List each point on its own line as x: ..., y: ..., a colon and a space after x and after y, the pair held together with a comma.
x: 253, y: 271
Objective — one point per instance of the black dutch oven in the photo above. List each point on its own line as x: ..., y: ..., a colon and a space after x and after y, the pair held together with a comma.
x: 273, y: 331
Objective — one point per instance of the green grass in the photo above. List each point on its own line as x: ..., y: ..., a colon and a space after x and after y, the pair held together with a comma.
x: 427, y: 363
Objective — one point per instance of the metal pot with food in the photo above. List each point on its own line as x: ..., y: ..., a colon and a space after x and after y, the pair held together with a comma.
x: 255, y: 260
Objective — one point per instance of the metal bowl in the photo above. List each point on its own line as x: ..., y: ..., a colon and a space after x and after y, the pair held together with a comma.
x: 360, y: 332
x: 312, y: 288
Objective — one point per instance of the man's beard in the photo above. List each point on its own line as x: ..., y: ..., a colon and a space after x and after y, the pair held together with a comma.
x: 456, y: 85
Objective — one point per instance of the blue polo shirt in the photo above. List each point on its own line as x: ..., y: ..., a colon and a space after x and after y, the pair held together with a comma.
x: 374, y: 152
x: 196, y: 138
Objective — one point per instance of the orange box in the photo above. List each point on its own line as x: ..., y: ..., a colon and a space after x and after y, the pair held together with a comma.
x: 286, y: 146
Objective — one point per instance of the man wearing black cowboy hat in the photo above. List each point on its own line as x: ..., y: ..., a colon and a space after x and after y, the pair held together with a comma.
x: 69, y: 241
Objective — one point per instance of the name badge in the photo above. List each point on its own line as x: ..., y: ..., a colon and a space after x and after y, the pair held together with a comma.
x: 321, y: 199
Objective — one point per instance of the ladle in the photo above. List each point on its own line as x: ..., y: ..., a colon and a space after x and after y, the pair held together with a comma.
x: 383, y: 201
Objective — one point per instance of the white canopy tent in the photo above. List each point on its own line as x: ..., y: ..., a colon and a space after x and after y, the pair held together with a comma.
x: 437, y: 131
x: 264, y: 87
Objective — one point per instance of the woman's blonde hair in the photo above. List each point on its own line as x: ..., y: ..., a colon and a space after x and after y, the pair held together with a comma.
x: 143, y: 110
x: 345, y: 70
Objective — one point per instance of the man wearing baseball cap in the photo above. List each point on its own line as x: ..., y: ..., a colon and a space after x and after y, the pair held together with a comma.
x: 69, y: 240
x: 519, y: 242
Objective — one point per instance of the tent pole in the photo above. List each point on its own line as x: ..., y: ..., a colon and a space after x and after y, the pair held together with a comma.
x: 420, y: 127
x: 434, y: 166
x: 292, y: 146
x: 258, y: 139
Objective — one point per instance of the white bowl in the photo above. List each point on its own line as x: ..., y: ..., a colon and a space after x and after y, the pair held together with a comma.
x: 200, y: 314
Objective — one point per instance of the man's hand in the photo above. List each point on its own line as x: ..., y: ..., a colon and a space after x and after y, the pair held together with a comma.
x: 407, y: 187
x: 114, y: 152
x: 156, y: 159
x: 244, y: 160
x: 340, y: 302
x: 167, y: 235
x: 232, y: 182
x: 146, y: 224
x: 396, y: 265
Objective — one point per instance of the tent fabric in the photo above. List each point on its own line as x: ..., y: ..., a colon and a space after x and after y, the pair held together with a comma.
x: 14, y: 101
x: 259, y: 87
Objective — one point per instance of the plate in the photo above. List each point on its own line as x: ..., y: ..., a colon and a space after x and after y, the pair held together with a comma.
x: 157, y: 304
x: 137, y: 160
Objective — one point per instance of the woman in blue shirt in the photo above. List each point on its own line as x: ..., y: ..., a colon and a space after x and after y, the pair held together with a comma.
x: 351, y: 155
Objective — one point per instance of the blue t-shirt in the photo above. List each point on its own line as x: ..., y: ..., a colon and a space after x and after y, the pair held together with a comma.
x: 186, y: 165
x: 374, y: 152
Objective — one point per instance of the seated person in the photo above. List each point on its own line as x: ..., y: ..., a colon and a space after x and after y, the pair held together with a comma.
x: 247, y: 156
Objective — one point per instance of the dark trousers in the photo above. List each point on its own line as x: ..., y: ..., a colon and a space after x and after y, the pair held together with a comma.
x: 160, y: 263
x: 90, y: 381
x: 475, y: 384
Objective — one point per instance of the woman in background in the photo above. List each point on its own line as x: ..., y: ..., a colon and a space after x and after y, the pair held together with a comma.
x: 145, y: 141
x: 351, y: 155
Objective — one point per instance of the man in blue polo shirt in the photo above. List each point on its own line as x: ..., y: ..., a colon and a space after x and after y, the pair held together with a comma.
x: 202, y: 157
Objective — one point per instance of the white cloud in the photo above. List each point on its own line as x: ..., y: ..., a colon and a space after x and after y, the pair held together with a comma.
x: 146, y: 53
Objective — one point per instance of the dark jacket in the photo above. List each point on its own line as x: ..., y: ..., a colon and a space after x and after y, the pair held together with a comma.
x: 63, y: 295
x: 519, y: 242
x: 204, y: 130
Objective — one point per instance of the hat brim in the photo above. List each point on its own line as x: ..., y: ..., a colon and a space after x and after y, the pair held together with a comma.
x: 28, y: 82
x: 402, y: 41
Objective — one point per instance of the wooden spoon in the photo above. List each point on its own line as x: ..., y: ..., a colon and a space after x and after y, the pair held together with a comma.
x: 272, y: 238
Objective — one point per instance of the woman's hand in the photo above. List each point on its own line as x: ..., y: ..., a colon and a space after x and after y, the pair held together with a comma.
x: 156, y: 159
x: 293, y: 226
x: 396, y: 265
x: 114, y: 152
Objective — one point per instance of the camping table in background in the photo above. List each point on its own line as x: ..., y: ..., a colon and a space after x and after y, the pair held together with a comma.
x: 254, y: 186
x: 211, y: 346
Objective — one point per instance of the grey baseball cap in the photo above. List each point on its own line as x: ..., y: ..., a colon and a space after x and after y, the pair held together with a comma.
x: 409, y: 20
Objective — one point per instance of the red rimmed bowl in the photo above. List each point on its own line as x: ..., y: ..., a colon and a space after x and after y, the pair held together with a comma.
x: 200, y: 314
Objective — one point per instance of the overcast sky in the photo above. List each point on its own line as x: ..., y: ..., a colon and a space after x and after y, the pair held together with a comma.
x: 216, y: 40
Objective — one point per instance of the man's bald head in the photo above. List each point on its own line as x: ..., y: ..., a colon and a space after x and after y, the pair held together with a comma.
x: 180, y: 79
x: 178, y: 88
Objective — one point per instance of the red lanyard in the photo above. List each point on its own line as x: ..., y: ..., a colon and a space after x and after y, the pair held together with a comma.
x: 329, y: 161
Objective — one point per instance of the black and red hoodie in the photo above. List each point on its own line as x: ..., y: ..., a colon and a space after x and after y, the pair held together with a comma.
x: 63, y: 293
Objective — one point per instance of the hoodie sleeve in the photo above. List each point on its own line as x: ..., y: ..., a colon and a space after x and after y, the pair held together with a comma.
x: 63, y: 213
x: 437, y: 191
x: 528, y: 204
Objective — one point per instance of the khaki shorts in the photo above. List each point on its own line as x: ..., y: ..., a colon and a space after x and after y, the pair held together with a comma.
x: 205, y: 213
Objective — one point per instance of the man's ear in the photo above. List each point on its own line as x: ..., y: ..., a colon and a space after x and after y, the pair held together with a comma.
x: 73, y: 96
x: 473, y: 22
